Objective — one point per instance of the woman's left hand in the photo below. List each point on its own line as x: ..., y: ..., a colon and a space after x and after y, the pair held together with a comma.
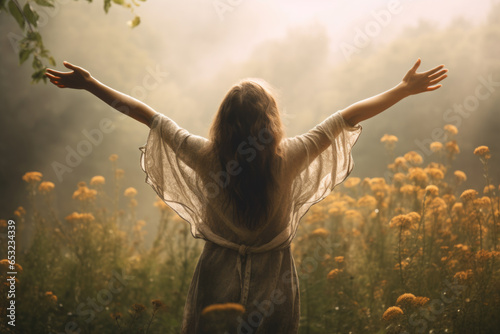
x: 415, y: 83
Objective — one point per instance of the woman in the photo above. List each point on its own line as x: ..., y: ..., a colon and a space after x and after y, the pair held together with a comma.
x: 245, y: 189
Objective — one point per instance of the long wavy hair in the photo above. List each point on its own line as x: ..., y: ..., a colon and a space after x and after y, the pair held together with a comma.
x: 245, y: 137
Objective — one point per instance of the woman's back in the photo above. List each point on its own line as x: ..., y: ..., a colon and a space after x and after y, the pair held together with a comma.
x: 238, y: 264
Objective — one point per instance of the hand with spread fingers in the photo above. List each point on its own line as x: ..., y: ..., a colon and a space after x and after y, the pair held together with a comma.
x: 412, y: 83
x: 79, y: 78
x: 416, y: 83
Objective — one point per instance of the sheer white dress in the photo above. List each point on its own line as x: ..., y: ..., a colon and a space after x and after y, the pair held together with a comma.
x: 253, y: 268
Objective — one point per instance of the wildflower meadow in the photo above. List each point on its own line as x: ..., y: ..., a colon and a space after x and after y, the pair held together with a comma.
x: 411, y: 252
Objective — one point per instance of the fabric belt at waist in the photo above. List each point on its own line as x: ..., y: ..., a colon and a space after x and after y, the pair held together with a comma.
x: 281, y: 241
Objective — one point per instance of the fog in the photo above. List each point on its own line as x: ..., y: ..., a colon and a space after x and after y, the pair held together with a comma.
x: 320, y: 56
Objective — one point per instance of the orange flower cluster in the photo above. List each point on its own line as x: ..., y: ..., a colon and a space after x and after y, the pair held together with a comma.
x: 223, y: 308
x: 392, y: 313
x: 83, y: 193
x: 32, y: 177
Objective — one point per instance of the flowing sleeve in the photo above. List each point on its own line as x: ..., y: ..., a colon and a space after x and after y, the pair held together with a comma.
x: 171, y: 160
x: 318, y: 161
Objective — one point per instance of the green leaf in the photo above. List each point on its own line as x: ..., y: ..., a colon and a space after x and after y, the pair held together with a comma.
x: 107, y: 4
x: 52, y: 61
x: 39, y: 75
x: 2, y: 4
x: 16, y: 13
x: 30, y: 15
x: 135, y: 22
x: 34, y: 36
x: 46, y: 3
x: 119, y: 2
x: 37, y: 63
x: 24, y: 55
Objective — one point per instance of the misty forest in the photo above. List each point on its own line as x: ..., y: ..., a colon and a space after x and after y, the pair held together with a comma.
x: 408, y: 243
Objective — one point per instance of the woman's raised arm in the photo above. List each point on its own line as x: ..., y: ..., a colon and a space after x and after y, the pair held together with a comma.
x: 412, y: 83
x: 80, y: 78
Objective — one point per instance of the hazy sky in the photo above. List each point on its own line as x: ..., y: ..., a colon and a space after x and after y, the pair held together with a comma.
x: 240, y: 28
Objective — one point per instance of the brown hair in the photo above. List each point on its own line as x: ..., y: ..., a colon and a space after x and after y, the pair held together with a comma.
x: 245, y: 137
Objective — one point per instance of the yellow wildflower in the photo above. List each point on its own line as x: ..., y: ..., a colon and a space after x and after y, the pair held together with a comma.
x: 417, y: 175
x: 483, y: 151
x: 405, y: 299
x: 403, y: 221
x: 483, y: 202
x: 4, y: 265
x: 353, y: 215
x: 432, y: 190
x: 414, y: 158
x: 339, y: 259
x: 232, y: 308
x: 51, y: 296
x: 461, y: 247
x: 463, y: 275
x: 83, y: 193
x: 392, y: 313
x: 420, y: 301
x: 398, y: 178
x: 97, y: 180
x: 32, y: 177
x: 468, y: 195
x: 414, y: 217
x: 489, y: 189
x: 436, y: 146
x: 378, y: 184
x: 483, y: 255
x: 333, y: 274
x: 438, y: 205
x: 320, y: 232
x: 3, y: 223
x: 20, y: 212
x: 75, y: 216
x: 130, y: 192
x: 389, y: 141
x: 408, y: 189
x: 452, y: 147
x: 400, y: 163
x: 460, y: 176
x: 451, y: 129
x: 367, y: 201
x: 449, y: 199
x: 435, y: 173
x: 352, y: 182
x: 46, y: 187
x: 113, y: 157
x: 335, y: 211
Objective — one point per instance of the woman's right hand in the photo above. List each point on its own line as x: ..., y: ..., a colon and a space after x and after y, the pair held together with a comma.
x: 79, y: 78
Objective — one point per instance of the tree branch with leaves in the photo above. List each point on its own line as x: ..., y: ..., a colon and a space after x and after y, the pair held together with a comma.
x: 26, y: 14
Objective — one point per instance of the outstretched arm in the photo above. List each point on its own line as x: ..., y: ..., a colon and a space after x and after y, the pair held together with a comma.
x: 80, y: 78
x: 412, y: 83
